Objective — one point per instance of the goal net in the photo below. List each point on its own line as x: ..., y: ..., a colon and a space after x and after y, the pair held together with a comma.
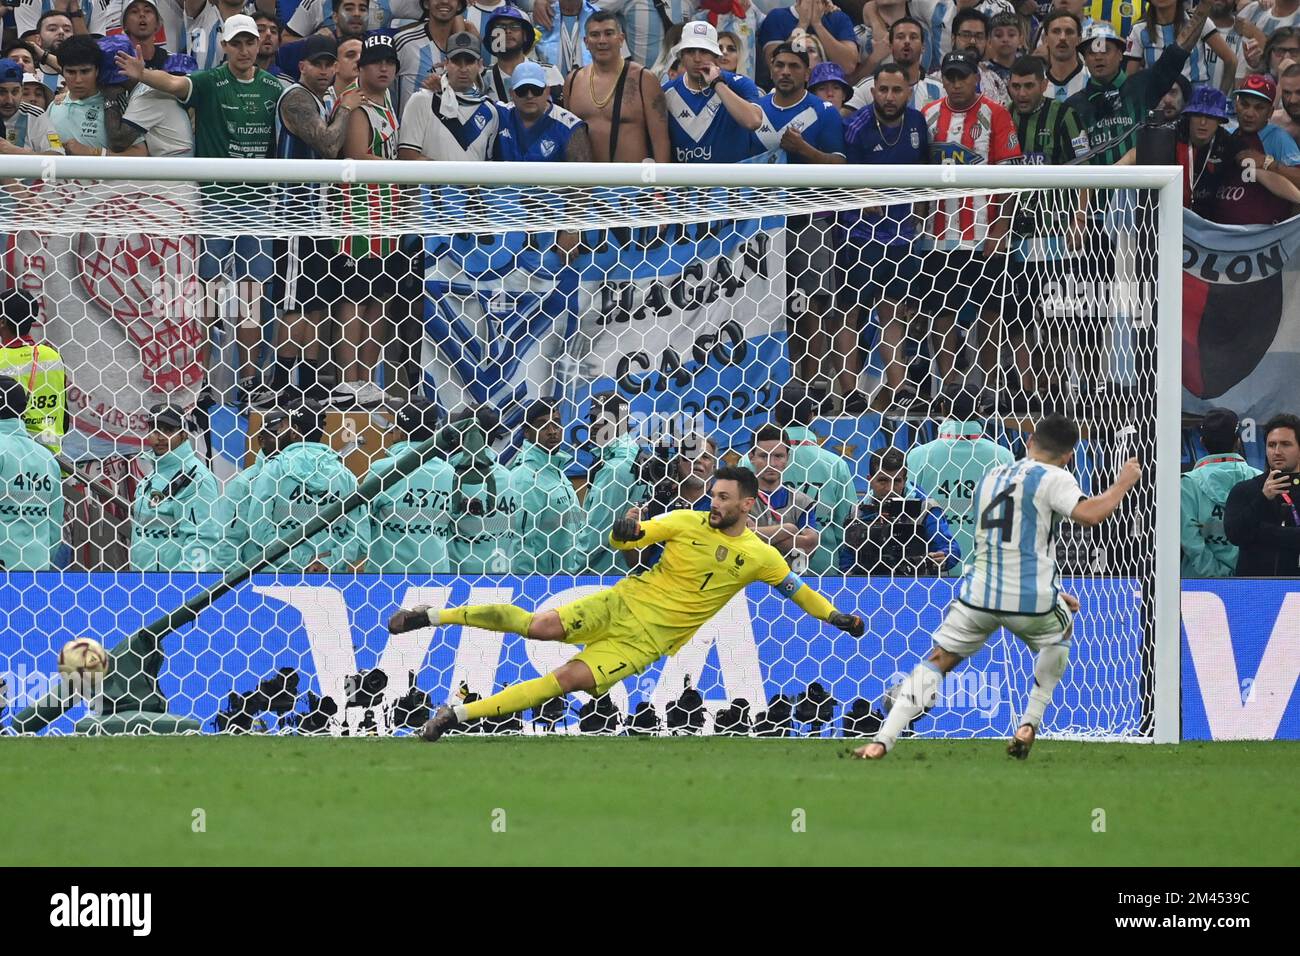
x: 258, y: 388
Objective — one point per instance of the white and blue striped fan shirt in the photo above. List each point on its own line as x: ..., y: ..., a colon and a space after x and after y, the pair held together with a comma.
x: 1018, y: 508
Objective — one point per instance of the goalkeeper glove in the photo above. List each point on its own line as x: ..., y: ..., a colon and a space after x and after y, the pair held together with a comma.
x: 412, y: 620
x: 627, y: 529
x: 849, y: 623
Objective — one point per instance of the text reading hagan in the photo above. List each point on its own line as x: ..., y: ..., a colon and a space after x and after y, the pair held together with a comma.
x: 102, y: 909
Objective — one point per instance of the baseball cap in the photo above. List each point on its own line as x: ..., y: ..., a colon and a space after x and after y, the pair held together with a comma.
x: 319, y: 47
x: 239, y: 23
x: 1100, y: 30
x: 528, y: 73
x: 167, y: 417
x: 699, y: 35
x: 1258, y: 84
x: 827, y: 72
x: 1207, y: 101
x: 377, y: 48
x: 963, y: 61
x: 1219, y: 426
x: 462, y: 44
x: 10, y: 71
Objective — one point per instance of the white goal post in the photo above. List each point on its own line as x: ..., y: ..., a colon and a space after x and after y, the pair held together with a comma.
x: 51, y: 203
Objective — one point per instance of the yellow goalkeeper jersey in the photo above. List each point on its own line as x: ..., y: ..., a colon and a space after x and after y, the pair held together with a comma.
x: 700, y: 571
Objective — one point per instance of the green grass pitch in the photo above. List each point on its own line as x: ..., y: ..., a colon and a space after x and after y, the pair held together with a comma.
x: 286, y: 801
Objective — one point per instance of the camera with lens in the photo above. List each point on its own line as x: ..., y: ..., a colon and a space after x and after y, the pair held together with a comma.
x: 888, y: 537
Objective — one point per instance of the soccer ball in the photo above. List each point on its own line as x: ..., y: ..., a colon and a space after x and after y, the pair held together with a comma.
x: 83, y: 656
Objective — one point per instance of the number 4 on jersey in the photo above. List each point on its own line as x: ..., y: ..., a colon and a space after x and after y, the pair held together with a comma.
x: 1006, y: 504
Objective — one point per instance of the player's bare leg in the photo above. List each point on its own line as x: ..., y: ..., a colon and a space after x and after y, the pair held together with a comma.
x: 916, y: 694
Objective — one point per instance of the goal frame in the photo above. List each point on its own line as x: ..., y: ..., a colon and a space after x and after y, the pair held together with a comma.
x: 1164, y: 182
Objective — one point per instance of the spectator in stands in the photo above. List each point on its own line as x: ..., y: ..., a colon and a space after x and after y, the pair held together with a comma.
x: 563, y: 28
x: 422, y: 47
x: 1171, y: 104
x: 457, y: 122
x: 1207, y: 552
x: 350, y: 19
x: 35, y: 93
x: 548, y: 504
x: 1281, y: 48
x: 873, y: 35
x: 809, y: 131
x: 1005, y: 44
x: 1223, y: 18
x: 690, y: 473
x: 1202, y: 149
x: 307, y: 128
x: 11, y: 99
x: 1111, y: 108
x: 613, y: 86
x: 78, y: 119
x: 690, y: 98
x: 1066, y: 74
x: 920, y: 538
x: 412, y: 520
x: 615, y: 483
x: 36, y: 365
x: 234, y: 117
x: 234, y: 510
x: 1047, y: 232
x: 31, y: 490
x: 535, y: 130
x: 738, y: 43
x: 880, y: 261
x: 369, y: 267
x: 207, y: 30
x: 827, y: 83
x: 1272, y: 16
x: 347, y: 17
x: 140, y: 22
x: 349, y: 64
x: 299, y: 484
x: 784, y: 518
x: 971, y: 32
x: 648, y: 25
x: 509, y: 35
x: 52, y: 29
x: 22, y: 54
x: 1121, y: 15
x: 815, y: 471
x: 822, y: 20
x: 1160, y: 28
x: 1262, y: 516
x: 943, y: 36
x: 268, y: 41
x: 968, y: 265
x: 907, y: 46
x: 173, y: 526
x: 1257, y: 146
x: 948, y: 469
x: 1287, y: 116
x: 151, y: 123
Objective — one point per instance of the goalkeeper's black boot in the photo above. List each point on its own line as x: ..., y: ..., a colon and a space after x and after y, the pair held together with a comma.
x: 1021, y: 742
x: 443, y: 720
x: 410, y: 620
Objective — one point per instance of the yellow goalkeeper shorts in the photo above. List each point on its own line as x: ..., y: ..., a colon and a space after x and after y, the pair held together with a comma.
x: 615, y: 644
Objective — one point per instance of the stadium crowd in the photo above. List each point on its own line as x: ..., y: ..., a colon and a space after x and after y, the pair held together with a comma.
x: 718, y: 81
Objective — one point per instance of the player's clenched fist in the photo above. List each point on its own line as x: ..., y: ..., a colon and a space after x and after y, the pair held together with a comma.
x: 628, y: 527
x: 412, y: 620
x: 849, y: 623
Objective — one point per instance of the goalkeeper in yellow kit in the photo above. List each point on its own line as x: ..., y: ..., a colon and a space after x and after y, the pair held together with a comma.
x: 707, y: 558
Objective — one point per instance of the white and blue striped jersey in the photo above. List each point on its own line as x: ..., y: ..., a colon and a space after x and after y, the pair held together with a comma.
x: 1267, y: 22
x: 311, y: 15
x: 101, y: 16
x: 1017, y: 509
x: 1076, y: 82
x: 643, y: 27
x: 418, y: 55
x: 924, y: 92
x: 1145, y: 46
x: 937, y: 15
